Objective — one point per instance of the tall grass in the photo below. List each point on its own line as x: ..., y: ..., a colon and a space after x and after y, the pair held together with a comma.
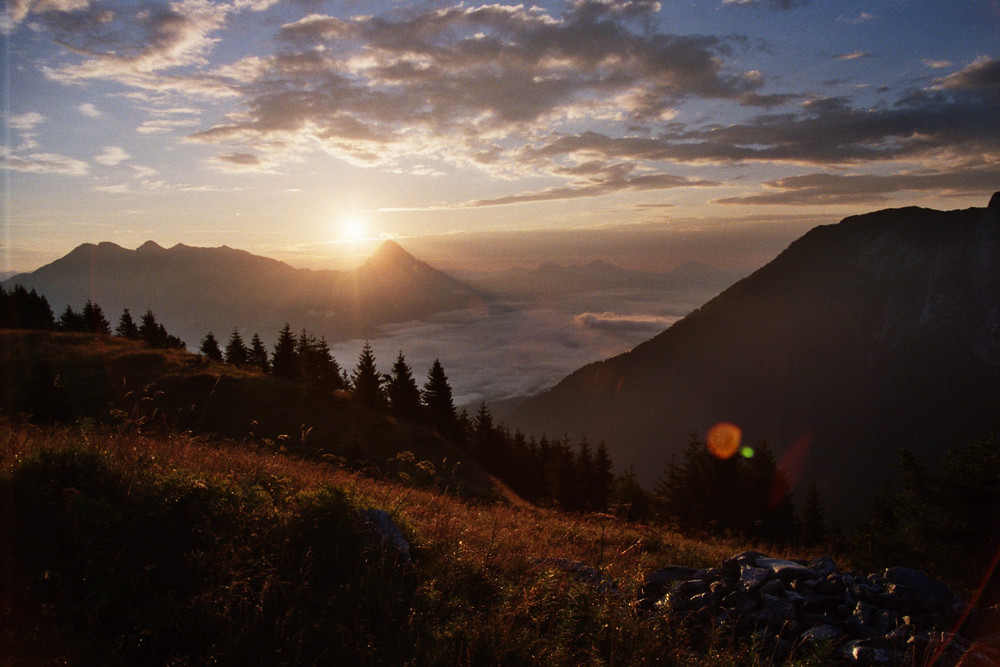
x: 121, y: 548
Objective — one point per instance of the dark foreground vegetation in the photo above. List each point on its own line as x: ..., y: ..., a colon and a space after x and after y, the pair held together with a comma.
x: 160, y: 507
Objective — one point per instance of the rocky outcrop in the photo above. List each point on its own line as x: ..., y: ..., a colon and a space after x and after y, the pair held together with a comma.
x: 787, y: 607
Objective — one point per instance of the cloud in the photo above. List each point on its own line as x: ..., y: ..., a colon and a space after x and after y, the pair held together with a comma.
x: 825, y: 188
x: 606, y: 181
x: 136, y: 44
x: 43, y: 163
x: 854, y: 55
x: 773, y: 4
x: 616, y: 323
x: 474, y: 85
x: 165, y: 125
x: 863, y: 17
x: 112, y: 156
x: 241, y: 162
x: 89, y: 110
x: 15, y: 11
x: 982, y: 74
x: 25, y: 121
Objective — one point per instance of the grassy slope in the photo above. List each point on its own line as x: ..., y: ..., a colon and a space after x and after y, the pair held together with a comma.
x: 111, y: 379
x: 129, y: 549
x: 201, y: 513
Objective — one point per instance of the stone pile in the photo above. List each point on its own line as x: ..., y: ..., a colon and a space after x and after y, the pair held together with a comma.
x: 902, y: 616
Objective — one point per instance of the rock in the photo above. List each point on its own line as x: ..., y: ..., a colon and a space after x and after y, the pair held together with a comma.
x: 380, y: 523
x: 822, y: 633
x: 659, y: 583
x: 870, y: 651
x: 925, y: 593
x: 870, y: 619
x: 823, y: 566
x: 787, y: 570
x: 752, y: 577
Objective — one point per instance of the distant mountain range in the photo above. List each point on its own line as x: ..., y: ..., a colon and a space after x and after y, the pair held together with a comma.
x: 196, y: 290
x: 878, y: 333
x: 599, y: 284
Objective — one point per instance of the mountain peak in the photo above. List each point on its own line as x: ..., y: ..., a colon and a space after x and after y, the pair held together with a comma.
x: 150, y: 246
x: 388, y: 254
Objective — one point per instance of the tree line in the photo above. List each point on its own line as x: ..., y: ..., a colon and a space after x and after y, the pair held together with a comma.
x: 23, y: 309
x: 700, y: 493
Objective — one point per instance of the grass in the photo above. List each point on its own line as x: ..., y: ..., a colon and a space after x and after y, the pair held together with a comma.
x: 127, y: 548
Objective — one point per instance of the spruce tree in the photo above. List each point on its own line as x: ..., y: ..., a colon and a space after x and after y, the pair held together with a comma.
x: 258, y: 354
x: 70, y: 320
x: 150, y: 329
x: 438, y: 401
x: 813, y: 520
x: 283, y: 358
x: 236, y: 349
x: 366, y: 382
x: 402, y: 392
x: 210, y: 347
x: 126, y: 326
x: 93, y: 317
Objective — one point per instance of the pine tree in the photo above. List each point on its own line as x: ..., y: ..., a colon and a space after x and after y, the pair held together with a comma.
x: 210, y: 347
x: 813, y: 520
x: 126, y: 326
x: 149, y: 329
x: 283, y: 358
x: 20, y: 309
x: 70, y: 320
x: 402, y: 392
x: 603, y: 477
x: 93, y: 317
x: 236, y: 349
x: 438, y: 400
x: 258, y: 354
x: 366, y: 382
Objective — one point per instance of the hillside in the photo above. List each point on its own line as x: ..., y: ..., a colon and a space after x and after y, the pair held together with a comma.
x: 105, y: 379
x: 864, y: 337
x: 199, y: 290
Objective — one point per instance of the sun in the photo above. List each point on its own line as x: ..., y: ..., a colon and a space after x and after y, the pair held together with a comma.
x: 353, y: 228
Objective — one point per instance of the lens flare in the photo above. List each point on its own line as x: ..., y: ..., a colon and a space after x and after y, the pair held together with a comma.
x: 723, y: 440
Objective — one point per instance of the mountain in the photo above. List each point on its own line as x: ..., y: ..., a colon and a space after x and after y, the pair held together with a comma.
x: 570, y: 285
x: 196, y: 290
x: 862, y: 338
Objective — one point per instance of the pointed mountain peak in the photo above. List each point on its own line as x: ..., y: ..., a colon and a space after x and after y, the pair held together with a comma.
x: 150, y: 246
x: 390, y: 253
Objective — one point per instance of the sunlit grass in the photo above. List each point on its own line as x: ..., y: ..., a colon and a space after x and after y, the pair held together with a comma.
x: 475, y: 593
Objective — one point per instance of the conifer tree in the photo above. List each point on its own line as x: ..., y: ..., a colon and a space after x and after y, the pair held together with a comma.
x: 813, y: 520
x: 149, y: 329
x: 366, y: 382
x: 258, y: 354
x: 210, y: 347
x: 602, y: 477
x: 438, y: 400
x: 126, y: 326
x: 70, y: 320
x: 283, y: 358
x: 93, y: 317
x: 236, y: 349
x: 402, y: 392
x: 20, y: 309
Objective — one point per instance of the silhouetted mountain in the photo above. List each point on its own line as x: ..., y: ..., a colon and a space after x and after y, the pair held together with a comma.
x: 195, y: 290
x: 552, y: 282
x: 862, y: 338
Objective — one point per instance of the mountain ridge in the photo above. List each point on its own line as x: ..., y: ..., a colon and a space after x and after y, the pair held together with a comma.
x: 879, y: 329
x: 194, y: 290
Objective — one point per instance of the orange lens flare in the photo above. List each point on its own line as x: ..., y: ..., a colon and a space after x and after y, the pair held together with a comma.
x: 723, y: 440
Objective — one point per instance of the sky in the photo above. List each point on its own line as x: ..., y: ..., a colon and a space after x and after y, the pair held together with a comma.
x: 494, y: 134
